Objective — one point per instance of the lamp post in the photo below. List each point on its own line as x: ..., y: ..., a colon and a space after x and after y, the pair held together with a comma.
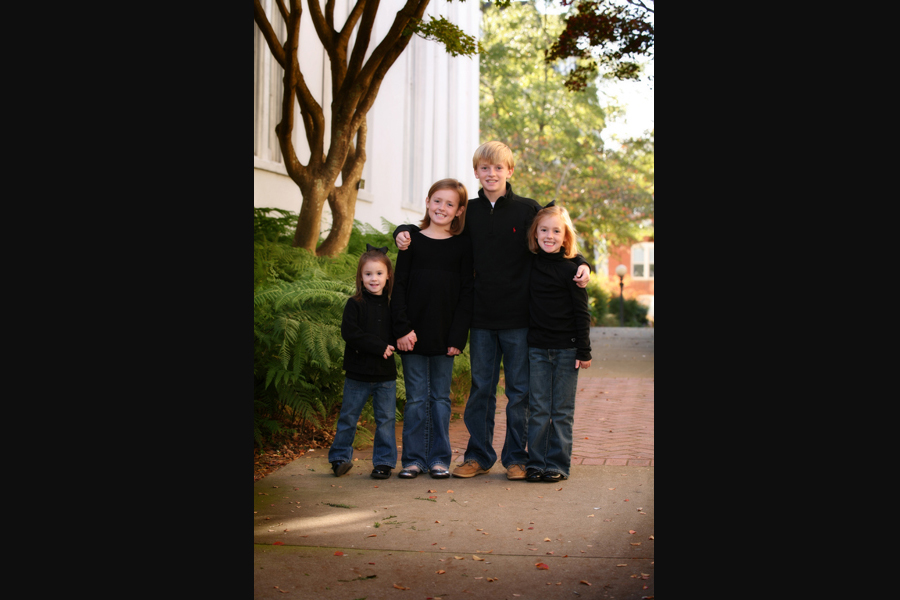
x: 620, y: 271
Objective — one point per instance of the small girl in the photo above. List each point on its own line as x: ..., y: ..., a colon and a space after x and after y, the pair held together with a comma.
x: 559, y: 344
x: 369, y: 363
x: 432, y: 310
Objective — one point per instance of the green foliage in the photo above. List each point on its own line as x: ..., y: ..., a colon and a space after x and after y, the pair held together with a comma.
x: 298, y: 304
x: 556, y: 134
x: 635, y: 312
x: 456, y: 41
x: 598, y: 301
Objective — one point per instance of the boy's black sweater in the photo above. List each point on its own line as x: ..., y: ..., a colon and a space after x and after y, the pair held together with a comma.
x: 502, y: 259
x: 366, y: 329
x: 560, y: 317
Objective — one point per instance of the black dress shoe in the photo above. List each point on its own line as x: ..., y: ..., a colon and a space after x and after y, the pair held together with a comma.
x: 340, y: 468
x: 381, y: 472
x: 533, y: 475
x: 439, y: 473
x: 408, y: 474
x: 552, y: 477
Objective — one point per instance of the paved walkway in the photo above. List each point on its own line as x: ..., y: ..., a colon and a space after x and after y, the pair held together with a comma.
x: 592, y: 536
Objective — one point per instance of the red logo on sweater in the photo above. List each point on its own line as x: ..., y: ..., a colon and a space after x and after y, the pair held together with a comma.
x: 514, y: 229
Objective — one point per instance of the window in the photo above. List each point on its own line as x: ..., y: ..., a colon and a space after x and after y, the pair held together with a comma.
x: 267, y: 90
x: 642, y: 260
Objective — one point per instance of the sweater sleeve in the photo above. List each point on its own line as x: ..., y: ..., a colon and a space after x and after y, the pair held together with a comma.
x: 582, y: 322
x: 462, y: 316
x: 353, y: 333
x: 399, y: 318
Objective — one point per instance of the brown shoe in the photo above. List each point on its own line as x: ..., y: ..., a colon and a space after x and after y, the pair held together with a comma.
x: 470, y: 468
x: 515, y: 472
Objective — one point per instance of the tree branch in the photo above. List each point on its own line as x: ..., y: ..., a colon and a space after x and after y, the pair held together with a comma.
x: 259, y: 15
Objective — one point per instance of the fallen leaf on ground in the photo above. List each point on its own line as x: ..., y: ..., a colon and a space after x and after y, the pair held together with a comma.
x: 432, y: 491
x: 584, y: 582
x: 477, y: 557
x: 400, y: 587
x: 460, y: 557
x: 632, y: 531
x: 441, y: 572
x: 372, y: 535
x: 278, y: 543
x: 546, y: 539
x: 635, y: 543
x: 542, y: 566
x: 338, y: 553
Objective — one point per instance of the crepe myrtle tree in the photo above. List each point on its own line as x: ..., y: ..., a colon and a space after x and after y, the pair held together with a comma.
x: 355, y: 82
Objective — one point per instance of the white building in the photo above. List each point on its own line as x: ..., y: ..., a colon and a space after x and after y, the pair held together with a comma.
x: 422, y: 127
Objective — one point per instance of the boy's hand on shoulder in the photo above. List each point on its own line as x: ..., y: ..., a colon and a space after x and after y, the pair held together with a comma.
x: 402, y: 240
x: 582, y: 276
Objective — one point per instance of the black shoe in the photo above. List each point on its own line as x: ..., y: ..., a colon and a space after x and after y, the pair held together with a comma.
x: 439, y: 473
x: 533, y: 475
x: 408, y: 473
x: 553, y: 477
x: 381, y: 472
x: 340, y: 468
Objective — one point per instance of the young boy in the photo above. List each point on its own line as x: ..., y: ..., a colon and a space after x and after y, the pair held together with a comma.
x: 497, y: 222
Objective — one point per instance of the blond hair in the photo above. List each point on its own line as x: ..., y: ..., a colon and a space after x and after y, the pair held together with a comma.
x: 494, y: 153
x: 570, y: 240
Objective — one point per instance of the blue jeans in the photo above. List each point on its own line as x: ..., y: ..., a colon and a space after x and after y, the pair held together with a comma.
x: 554, y: 379
x: 426, y: 416
x: 384, y: 403
x: 486, y: 348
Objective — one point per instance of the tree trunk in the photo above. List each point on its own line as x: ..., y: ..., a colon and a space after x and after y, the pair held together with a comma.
x: 314, y: 195
x: 343, y: 209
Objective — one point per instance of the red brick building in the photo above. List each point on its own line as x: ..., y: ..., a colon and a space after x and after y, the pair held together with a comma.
x: 638, y: 260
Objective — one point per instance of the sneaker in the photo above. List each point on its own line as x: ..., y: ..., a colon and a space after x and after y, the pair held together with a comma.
x: 470, y: 468
x: 340, y: 468
x: 515, y: 472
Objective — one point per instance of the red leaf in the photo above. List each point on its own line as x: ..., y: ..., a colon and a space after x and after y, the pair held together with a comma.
x: 542, y: 566
x: 278, y: 543
x: 338, y: 553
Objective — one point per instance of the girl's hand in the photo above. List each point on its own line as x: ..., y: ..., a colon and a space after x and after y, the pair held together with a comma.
x: 402, y: 240
x: 582, y: 364
x: 451, y: 351
x: 408, y: 341
x: 582, y: 276
x: 389, y: 351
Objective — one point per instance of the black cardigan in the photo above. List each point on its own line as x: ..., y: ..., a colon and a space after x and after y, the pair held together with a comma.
x: 366, y: 329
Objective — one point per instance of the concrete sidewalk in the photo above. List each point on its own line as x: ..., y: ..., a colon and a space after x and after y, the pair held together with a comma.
x: 353, y: 537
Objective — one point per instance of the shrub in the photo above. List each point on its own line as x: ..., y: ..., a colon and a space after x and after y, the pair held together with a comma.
x: 598, y: 301
x: 635, y: 312
x: 298, y: 301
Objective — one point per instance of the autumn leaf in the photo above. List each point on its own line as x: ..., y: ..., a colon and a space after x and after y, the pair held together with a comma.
x: 400, y: 587
x: 584, y: 582
x: 372, y: 535
x: 632, y: 531
x: 477, y: 557
x: 338, y: 553
x: 460, y: 557
x: 432, y: 491
x: 441, y: 572
x: 542, y: 566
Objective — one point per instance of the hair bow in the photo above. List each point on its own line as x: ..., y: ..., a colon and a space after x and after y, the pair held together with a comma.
x: 552, y: 203
x: 370, y: 248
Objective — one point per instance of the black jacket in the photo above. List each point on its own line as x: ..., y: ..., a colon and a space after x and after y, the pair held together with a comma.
x: 366, y: 328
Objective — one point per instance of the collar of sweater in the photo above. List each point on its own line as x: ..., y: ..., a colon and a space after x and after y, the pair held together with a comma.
x: 554, y: 256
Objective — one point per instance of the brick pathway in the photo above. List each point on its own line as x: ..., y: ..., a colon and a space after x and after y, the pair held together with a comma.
x: 613, y: 423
